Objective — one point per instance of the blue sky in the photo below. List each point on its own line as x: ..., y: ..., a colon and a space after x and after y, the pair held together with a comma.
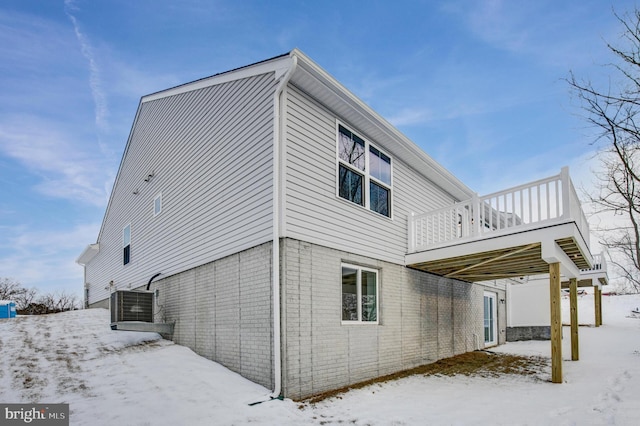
x: 477, y: 84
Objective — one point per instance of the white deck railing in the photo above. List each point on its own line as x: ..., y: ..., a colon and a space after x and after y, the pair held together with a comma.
x: 599, y: 263
x: 532, y: 205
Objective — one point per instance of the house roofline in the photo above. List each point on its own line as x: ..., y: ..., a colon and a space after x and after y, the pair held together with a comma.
x: 88, y: 254
x: 436, y: 172
x: 279, y: 65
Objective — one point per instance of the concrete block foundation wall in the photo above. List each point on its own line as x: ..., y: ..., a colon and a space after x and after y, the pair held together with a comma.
x: 103, y: 304
x: 222, y: 311
x: 422, y: 318
x: 533, y: 332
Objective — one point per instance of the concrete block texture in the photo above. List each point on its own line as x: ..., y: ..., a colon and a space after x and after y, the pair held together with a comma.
x: 422, y: 318
x: 223, y: 311
x: 533, y: 332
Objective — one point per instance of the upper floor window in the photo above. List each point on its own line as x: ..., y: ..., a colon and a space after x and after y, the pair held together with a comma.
x: 157, y: 204
x: 126, y: 244
x: 364, y: 173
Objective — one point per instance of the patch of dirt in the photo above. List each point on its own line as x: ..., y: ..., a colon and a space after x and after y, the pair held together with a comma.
x: 477, y: 363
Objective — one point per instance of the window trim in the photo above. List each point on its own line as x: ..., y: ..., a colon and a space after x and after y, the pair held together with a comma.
x: 153, y: 207
x: 124, y: 246
x: 366, y: 174
x: 359, y: 270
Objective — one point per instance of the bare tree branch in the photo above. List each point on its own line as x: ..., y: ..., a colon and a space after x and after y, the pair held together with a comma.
x: 10, y: 289
x: 612, y: 113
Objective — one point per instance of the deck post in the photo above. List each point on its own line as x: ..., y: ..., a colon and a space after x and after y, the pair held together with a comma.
x: 598, y: 305
x: 573, y: 296
x: 556, y: 323
x: 600, y: 300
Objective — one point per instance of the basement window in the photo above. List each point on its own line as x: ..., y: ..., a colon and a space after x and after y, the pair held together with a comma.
x: 359, y: 295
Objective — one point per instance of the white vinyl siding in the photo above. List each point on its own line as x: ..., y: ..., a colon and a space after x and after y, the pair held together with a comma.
x: 313, y: 211
x: 211, y: 154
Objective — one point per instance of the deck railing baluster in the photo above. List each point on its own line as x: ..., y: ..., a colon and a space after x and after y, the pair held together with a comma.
x: 500, y: 212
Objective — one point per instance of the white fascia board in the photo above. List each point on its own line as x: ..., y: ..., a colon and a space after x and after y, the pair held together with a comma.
x: 278, y: 65
x: 594, y: 275
x: 438, y: 173
x: 88, y: 254
x: 466, y: 247
x: 473, y: 246
x: 552, y: 253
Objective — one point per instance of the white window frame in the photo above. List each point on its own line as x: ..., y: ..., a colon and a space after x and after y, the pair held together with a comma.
x: 157, y: 198
x: 493, y: 317
x: 366, y: 172
x: 359, y: 270
x: 128, y: 225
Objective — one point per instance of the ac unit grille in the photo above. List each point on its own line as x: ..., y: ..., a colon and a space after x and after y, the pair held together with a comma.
x: 131, y: 306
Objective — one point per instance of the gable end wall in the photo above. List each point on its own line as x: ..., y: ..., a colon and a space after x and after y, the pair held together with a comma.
x: 211, y: 154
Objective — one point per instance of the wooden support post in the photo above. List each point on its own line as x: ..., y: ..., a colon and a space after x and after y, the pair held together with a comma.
x: 556, y: 323
x: 573, y: 296
x: 600, y: 300
x: 597, y: 298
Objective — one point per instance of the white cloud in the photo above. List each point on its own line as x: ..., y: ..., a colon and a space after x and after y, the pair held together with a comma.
x: 132, y: 82
x: 411, y: 116
x: 29, y: 41
x: 67, y: 171
x: 548, y: 32
x: 46, y: 111
x: 46, y: 259
x: 499, y: 25
x: 95, y: 80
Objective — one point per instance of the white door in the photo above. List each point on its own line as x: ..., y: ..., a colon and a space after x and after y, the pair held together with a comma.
x: 490, y: 323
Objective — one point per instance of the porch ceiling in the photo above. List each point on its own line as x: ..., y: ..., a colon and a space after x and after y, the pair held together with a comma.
x: 507, y: 262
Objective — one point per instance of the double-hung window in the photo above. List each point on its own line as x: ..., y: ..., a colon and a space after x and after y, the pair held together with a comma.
x: 359, y: 294
x: 364, y: 173
x: 126, y: 244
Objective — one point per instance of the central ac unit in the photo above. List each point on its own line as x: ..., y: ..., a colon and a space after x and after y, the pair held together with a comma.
x: 127, y: 305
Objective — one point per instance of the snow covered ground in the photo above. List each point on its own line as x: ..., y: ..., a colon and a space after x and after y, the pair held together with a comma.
x: 128, y: 378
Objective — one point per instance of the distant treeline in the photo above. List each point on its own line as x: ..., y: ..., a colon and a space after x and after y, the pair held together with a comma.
x: 30, y: 302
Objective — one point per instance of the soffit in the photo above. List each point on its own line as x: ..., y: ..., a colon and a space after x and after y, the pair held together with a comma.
x: 326, y: 90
